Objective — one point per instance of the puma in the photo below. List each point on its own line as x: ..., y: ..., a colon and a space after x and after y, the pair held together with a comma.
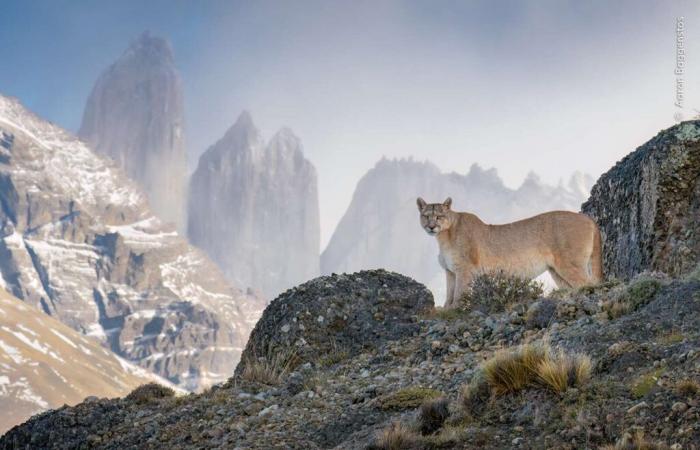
x: 566, y: 244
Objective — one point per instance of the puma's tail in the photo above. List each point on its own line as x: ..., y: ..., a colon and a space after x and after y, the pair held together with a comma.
x: 597, y: 257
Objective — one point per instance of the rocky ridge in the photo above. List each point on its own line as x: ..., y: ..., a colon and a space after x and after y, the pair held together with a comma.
x: 641, y: 362
x: 79, y: 242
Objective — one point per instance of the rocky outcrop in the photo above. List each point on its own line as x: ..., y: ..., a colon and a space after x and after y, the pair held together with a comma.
x: 381, y: 228
x: 646, y: 366
x: 253, y: 207
x: 648, y: 206
x: 134, y: 115
x: 79, y: 242
x: 339, y: 315
x: 46, y: 365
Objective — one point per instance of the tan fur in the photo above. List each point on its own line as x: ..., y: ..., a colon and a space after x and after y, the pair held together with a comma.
x: 566, y: 244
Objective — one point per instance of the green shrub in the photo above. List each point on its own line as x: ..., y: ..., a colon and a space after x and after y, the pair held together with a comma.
x: 637, y: 294
x: 494, y: 291
x: 408, y: 398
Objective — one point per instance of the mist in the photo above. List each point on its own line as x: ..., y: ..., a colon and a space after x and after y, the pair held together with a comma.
x: 550, y: 87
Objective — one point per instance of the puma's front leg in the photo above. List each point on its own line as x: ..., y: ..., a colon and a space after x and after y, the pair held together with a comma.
x: 463, y: 280
x: 450, y: 288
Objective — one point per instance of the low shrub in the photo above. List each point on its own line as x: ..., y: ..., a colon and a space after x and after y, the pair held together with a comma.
x: 150, y: 392
x: 408, y: 398
x: 432, y: 415
x: 637, y: 294
x: 491, y: 292
x: 475, y: 396
x: 396, y: 437
x: 643, y: 384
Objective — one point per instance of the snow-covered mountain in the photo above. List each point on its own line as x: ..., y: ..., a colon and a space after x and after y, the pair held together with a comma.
x: 44, y: 364
x: 79, y: 241
x: 381, y: 228
x: 135, y: 116
x: 253, y: 207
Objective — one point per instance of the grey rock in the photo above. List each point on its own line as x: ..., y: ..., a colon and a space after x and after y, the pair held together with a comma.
x: 253, y: 207
x: 541, y: 313
x: 648, y: 205
x: 350, y: 303
x: 135, y: 116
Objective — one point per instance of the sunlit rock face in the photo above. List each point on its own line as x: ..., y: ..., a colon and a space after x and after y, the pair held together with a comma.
x: 134, y: 115
x: 79, y: 242
x: 253, y: 207
x: 381, y: 228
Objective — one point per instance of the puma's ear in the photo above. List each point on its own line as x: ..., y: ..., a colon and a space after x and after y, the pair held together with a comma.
x: 421, y: 204
x: 447, y: 203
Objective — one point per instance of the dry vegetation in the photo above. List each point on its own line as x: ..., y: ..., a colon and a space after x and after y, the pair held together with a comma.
x: 271, y: 369
x: 635, y: 441
x: 534, y: 365
x: 396, y: 436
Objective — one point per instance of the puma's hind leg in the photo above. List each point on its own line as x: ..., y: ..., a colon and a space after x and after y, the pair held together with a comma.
x: 559, y: 281
x: 574, y: 276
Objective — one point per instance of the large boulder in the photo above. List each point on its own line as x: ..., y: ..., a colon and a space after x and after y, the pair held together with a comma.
x: 339, y: 315
x: 648, y: 206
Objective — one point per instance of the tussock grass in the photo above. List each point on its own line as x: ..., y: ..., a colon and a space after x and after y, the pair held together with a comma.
x: 396, y: 437
x: 271, y: 369
x: 635, y: 441
x: 533, y: 365
x: 688, y: 388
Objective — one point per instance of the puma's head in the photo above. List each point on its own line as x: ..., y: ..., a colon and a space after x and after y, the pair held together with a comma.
x: 434, y: 217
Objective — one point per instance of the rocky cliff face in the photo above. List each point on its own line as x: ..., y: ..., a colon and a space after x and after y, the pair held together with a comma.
x: 381, y: 227
x: 134, y: 115
x: 79, y: 242
x: 648, y: 206
x: 45, y: 365
x: 253, y: 207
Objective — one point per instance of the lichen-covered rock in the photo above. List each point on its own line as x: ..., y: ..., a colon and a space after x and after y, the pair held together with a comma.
x: 648, y: 206
x: 339, y: 314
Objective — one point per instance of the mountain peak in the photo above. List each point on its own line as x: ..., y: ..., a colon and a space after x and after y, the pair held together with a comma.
x: 150, y: 48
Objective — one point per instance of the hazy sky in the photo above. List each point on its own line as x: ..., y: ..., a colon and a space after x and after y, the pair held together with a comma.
x: 546, y: 86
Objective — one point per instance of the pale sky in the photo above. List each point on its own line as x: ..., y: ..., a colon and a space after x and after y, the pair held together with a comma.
x: 547, y: 86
